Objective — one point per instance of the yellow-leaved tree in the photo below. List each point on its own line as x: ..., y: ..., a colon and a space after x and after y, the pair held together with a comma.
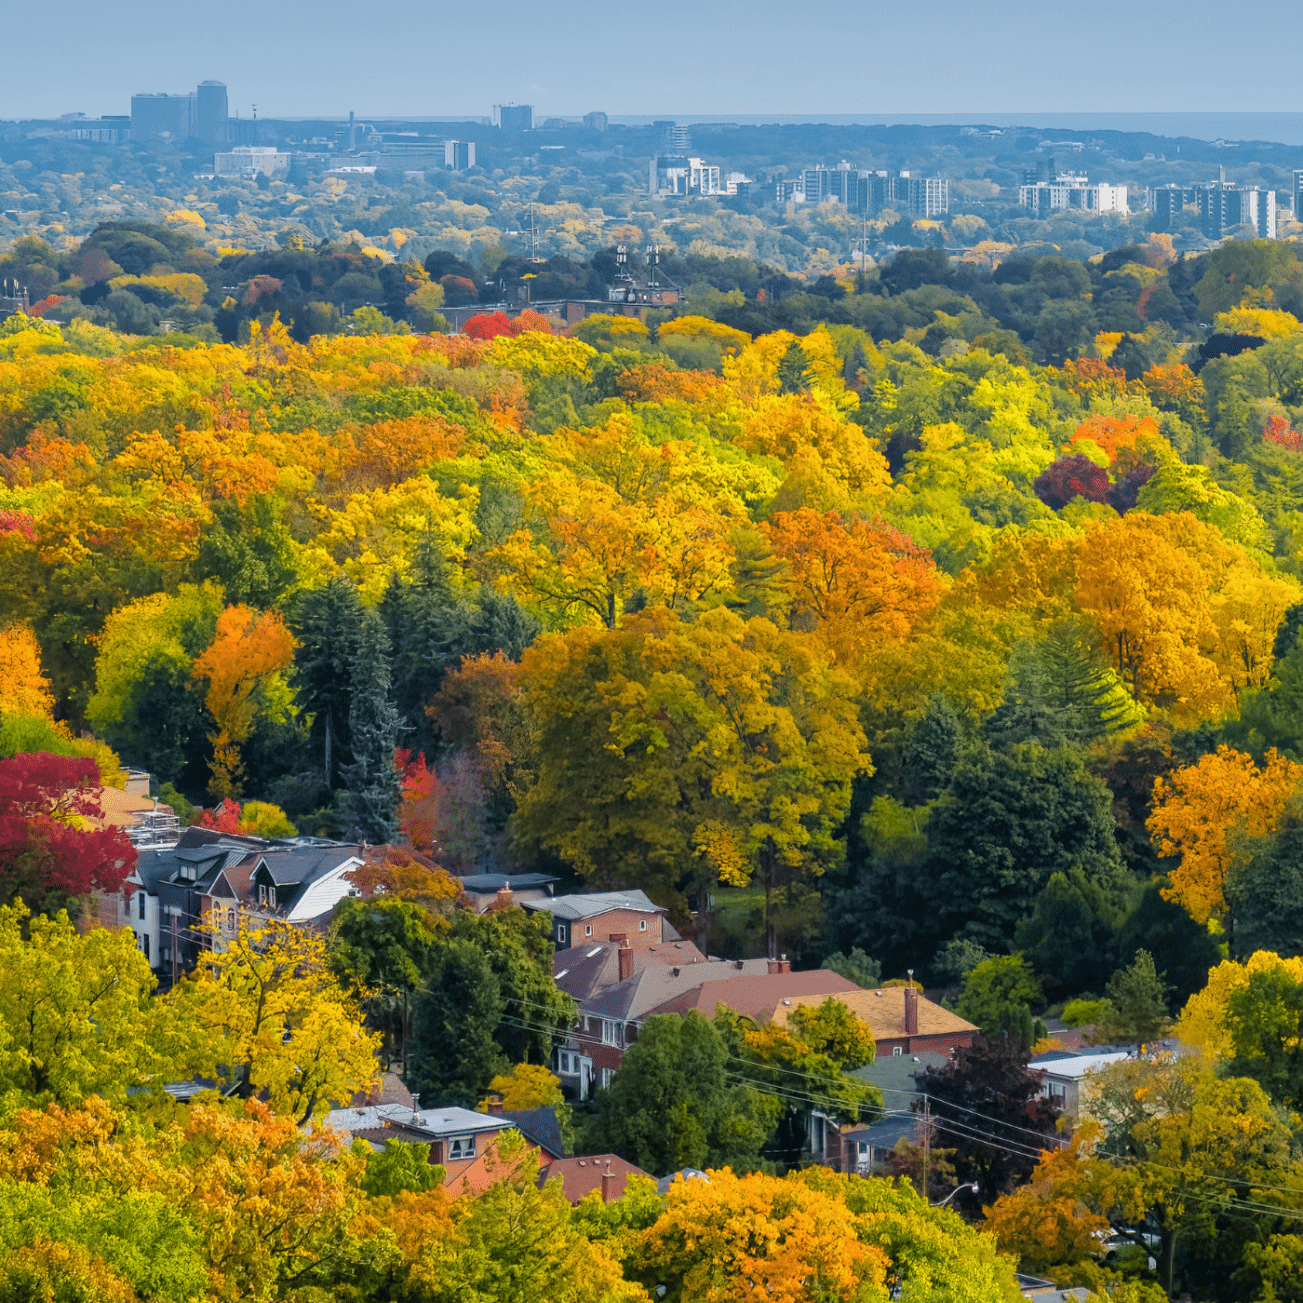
x: 269, y: 1018
x: 1196, y: 807
x: 26, y: 689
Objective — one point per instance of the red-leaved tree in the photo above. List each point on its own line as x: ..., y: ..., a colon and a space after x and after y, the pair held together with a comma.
x: 49, y: 849
x: 1072, y: 477
x: 1277, y: 430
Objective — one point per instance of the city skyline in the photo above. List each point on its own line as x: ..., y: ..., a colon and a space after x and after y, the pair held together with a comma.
x: 943, y: 61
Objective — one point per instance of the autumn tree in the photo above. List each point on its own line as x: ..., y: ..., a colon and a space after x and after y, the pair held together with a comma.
x: 50, y: 847
x: 76, y: 1014
x: 864, y: 583
x: 271, y: 1019
x: 777, y: 1239
x: 27, y: 691
x: 1197, y: 806
x: 248, y: 648
x: 723, y: 745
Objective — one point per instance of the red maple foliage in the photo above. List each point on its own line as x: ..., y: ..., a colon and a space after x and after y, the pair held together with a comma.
x: 44, y: 856
x: 17, y: 522
x: 225, y: 817
x: 489, y: 325
x: 1277, y: 430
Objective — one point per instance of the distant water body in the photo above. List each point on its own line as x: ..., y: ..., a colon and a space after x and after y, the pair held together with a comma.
x: 1276, y: 128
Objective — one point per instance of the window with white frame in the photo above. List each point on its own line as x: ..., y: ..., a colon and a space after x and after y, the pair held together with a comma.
x: 461, y: 1147
x: 561, y: 934
x: 608, y: 1075
x: 611, y: 1032
x: 563, y: 1063
x: 262, y: 893
x: 588, y: 929
x: 642, y: 925
x: 896, y: 1051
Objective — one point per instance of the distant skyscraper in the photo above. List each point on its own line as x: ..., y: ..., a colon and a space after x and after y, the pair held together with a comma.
x: 516, y: 117
x: 595, y: 121
x: 211, y: 113
x: 672, y: 138
x: 1298, y: 196
x: 155, y: 116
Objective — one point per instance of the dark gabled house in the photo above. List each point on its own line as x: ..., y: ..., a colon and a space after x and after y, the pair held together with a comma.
x: 187, y: 897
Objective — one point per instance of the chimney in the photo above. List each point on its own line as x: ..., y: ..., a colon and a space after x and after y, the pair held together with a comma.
x: 504, y: 897
x: 911, y: 1011
x: 416, y: 1109
x: 780, y: 965
x: 625, y: 954
x: 495, y: 1105
x: 608, y: 1183
x: 773, y: 967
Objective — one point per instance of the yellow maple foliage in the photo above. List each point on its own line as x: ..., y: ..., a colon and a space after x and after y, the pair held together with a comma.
x: 26, y: 689
x: 1197, y: 806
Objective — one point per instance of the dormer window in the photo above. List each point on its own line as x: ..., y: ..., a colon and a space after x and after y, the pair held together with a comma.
x: 186, y: 872
x: 262, y: 893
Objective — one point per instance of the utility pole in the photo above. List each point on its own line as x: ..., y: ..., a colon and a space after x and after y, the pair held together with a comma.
x: 927, y: 1141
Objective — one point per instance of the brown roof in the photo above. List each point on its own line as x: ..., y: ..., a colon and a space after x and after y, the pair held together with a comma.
x: 757, y: 995
x: 581, y: 1175
x: 884, y: 1011
x: 583, y: 970
x: 120, y: 808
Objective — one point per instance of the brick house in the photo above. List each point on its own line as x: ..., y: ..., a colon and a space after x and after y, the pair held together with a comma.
x: 582, y: 918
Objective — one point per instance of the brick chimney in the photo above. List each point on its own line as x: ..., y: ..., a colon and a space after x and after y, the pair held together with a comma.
x: 608, y: 1183
x: 504, y: 898
x: 495, y: 1105
x: 780, y: 965
x: 625, y: 955
x: 911, y: 1011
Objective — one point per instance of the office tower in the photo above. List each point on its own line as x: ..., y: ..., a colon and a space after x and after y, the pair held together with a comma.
x: 211, y: 113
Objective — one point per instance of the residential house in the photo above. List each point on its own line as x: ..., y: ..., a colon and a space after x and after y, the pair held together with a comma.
x: 484, y: 889
x: 903, y: 1021
x: 1064, y: 1072
x: 579, y: 1177
x: 183, y: 898
x: 460, y: 1141
x: 610, y: 1017
x: 576, y: 919
x: 865, y: 1147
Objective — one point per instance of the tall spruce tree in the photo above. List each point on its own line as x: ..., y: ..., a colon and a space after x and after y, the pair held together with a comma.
x: 326, y: 622
x: 370, y: 802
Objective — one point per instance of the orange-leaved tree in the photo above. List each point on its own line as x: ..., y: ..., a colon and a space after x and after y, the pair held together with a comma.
x: 865, y: 582
x: 26, y: 690
x: 1196, y: 807
x: 247, y: 650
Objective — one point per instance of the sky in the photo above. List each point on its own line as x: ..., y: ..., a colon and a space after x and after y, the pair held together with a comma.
x: 677, y: 58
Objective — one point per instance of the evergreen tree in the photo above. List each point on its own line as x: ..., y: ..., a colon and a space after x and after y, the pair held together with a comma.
x: 929, y: 757
x: 1138, y: 995
x: 370, y: 802
x: 326, y: 622
x: 791, y: 370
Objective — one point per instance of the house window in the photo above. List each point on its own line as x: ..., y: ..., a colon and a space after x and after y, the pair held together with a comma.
x: 461, y: 1147
x: 610, y: 1032
x: 563, y: 1063
x: 187, y: 873
x: 642, y: 925
x: 588, y: 930
x: 144, y: 941
x: 140, y: 905
x: 262, y: 894
x: 230, y: 920
x: 608, y: 1075
x: 896, y: 1052
x: 561, y: 933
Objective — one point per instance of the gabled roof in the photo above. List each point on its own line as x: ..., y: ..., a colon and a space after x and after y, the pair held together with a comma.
x: 584, y: 970
x: 884, y: 1012
x: 895, y: 1074
x: 540, y: 1127
x: 579, y: 1176
x: 757, y: 995
x: 594, y: 903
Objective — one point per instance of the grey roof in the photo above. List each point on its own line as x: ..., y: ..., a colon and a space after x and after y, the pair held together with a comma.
x: 434, y: 1121
x: 584, y: 970
x: 598, y: 902
x: 894, y: 1074
x: 887, y: 1132
x: 483, y: 882
x: 291, y: 865
x: 539, y: 1125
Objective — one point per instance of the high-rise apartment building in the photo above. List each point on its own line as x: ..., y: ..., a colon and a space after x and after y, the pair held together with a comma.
x: 516, y: 117
x: 154, y: 117
x: 1070, y: 190
x: 211, y: 113
x: 1298, y: 196
x: 1223, y: 206
x: 458, y: 155
x: 595, y: 121
x: 671, y: 138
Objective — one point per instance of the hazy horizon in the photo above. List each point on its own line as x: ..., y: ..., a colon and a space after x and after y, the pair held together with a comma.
x: 763, y: 59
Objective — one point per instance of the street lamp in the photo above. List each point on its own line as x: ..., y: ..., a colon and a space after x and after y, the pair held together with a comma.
x: 968, y: 1185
